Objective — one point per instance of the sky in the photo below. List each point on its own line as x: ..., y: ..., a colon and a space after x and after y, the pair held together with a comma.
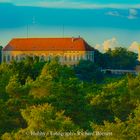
x: 102, y: 23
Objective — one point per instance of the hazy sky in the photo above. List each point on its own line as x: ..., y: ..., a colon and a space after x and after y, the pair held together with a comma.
x: 98, y: 21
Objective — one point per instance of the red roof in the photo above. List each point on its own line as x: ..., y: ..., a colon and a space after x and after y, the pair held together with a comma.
x: 48, y: 44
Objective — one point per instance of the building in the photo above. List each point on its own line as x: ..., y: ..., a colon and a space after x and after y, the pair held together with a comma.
x: 119, y: 72
x: 68, y: 50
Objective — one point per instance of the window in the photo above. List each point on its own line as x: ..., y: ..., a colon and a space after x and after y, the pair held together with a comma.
x: 4, y: 58
x: 74, y: 58
x: 65, y: 58
x: 12, y: 57
x: 69, y: 58
x: 16, y: 58
x: 8, y: 58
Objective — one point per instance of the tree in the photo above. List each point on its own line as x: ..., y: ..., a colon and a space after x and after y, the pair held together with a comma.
x: 3, y: 117
x: 48, y: 81
x: 5, y: 74
x: 42, y: 118
x: 100, y: 59
x: 134, y: 88
x: 14, y: 86
x: 0, y: 54
x: 88, y: 71
x: 55, y: 71
x: 27, y: 68
x: 129, y: 129
x: 112, y: 100
x: 53, y: 98
x: 59, y: 83
x: 120, y: 58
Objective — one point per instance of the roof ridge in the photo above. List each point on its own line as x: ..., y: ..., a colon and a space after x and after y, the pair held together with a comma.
x: 48, y: 44
x: 48, y: 38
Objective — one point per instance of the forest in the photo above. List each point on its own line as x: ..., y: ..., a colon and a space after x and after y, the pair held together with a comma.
x: 42, y: 100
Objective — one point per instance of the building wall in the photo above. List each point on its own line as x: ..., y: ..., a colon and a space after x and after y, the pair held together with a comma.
x: 65, y: 57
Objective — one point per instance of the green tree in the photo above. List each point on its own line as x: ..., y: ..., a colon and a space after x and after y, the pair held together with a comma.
x: 0, y: 54
x: 42, y: 118
x: 100, y: 59
x: 55, y: 71
x: 112, y: 100
x: 27, y: 68
x: 120, y: 58
x: 59, y: 83
x: 88, y: 71
x: 3, y: 117
x: 129, y: 129
x: 14, y: 86
x: 5, y: 74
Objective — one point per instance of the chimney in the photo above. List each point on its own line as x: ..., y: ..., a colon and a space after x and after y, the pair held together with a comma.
x: 72, y: 39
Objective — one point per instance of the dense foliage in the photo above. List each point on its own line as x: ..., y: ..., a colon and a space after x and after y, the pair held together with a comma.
x: 39, y: 98
x: 0, y: 53
x: 118, y: 58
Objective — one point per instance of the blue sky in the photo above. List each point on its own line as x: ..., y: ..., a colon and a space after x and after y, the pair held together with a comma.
x: 98, y: 21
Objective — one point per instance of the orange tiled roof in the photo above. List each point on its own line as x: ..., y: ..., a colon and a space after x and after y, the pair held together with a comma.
x: 47, y: 44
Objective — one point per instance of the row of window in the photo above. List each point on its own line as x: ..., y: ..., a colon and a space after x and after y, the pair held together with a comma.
x: 7, y: 58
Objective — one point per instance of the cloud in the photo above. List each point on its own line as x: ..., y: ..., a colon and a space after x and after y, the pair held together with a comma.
x: 5, y: 1
x: 132, y: 14
x: 73, y: 4
x: 82, y: 5
x: 1, y: 1
x: 134, y: 47
x: 107, y: 44
x: 113, y: 13
x: 99, y: 47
